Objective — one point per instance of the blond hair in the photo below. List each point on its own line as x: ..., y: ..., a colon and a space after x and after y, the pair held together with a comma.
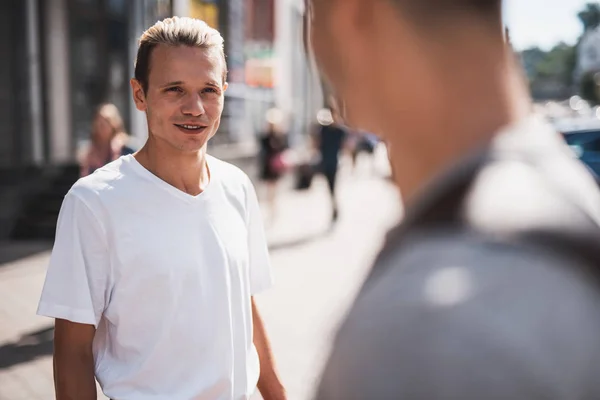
x: 111, y: 114
x: 176, y: 31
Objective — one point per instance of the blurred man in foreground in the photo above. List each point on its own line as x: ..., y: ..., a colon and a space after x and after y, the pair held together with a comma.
x: 488, y: 289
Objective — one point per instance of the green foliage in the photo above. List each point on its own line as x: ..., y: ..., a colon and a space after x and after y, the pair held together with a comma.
x: 555, y: 67
x: 558, y: 63
x: 531, y: 59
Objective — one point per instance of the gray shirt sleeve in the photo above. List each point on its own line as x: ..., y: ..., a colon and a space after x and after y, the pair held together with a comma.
x: 455, y: 319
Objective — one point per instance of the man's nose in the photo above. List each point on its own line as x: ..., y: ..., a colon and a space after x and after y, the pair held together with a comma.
x: 193, y: 105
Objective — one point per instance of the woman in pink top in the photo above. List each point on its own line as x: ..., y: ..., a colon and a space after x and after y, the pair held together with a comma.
x: 108, y: 139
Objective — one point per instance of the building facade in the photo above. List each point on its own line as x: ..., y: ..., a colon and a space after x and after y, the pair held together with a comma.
x: 62, y: 58
x: 298, y: 85
x: 268, y: 66
x: 67, y: 56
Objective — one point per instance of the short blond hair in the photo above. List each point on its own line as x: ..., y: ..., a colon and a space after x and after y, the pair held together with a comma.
x: 176, y: 31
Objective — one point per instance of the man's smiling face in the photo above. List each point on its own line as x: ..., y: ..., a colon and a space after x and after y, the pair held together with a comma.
x: 185, y: 96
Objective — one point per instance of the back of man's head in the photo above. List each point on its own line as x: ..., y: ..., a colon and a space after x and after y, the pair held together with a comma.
x: 431, y: 14
x: 354, y: 39
x: 413, y: 70
x: 442, y: 11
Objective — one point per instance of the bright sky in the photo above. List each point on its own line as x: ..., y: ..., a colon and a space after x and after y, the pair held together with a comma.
x: 543, y: 23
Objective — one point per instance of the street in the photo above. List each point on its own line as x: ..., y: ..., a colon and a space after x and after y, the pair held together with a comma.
x: 317, y: 273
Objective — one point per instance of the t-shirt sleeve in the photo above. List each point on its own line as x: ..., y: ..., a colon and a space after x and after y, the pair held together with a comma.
x: 261, y: 277
x: 78, y: 277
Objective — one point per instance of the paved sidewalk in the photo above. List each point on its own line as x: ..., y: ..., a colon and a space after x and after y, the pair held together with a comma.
x: 317, y: 272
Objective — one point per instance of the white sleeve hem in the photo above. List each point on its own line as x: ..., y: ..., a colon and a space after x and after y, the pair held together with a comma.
x: 70, y: 314
x: 262, y: 287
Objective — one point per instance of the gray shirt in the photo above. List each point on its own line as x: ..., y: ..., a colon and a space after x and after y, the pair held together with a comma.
x: 487, y: 290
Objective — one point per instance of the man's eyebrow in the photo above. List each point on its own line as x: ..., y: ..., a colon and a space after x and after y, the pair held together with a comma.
x: 177, y: 83
x: 174, y: 83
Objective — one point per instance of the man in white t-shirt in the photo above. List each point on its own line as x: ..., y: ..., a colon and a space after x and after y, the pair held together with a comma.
x: 158, y: 254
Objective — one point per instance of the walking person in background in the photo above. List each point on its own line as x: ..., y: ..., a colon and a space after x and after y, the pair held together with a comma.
x: 363, y: 142
x: 490, y: 286
x: 329, y: 141
x: 108, y: 140
x: 158, y: 254
x: 273, y: 145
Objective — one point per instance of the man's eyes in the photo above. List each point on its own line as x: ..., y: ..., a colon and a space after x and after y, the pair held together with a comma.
x: 177, y: 89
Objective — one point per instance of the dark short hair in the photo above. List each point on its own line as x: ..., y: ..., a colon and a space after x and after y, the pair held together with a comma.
x: 176, y: 31
x: 426, y: 11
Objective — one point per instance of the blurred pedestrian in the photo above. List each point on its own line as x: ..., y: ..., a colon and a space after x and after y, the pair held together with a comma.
x: 108, y: 140
x: 273, y: 146
x: 363, y: 142
x: 158, y: 254
x: 489, y: 288
x: 329, y: 140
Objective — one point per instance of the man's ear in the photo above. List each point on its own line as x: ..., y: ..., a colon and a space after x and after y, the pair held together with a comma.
x: 139, y: 96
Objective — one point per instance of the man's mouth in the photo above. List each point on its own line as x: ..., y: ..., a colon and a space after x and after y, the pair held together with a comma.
x: 191, y: 128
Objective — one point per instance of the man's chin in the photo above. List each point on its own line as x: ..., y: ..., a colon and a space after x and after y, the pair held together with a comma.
x: 192, y: 147
x: 189, y: 144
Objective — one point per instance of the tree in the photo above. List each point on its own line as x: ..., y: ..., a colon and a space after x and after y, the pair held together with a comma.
x: 589, y: 87
x: 558, y: 64
x: 590, y: 16
x: 531, y: 58
x: 571, y: 66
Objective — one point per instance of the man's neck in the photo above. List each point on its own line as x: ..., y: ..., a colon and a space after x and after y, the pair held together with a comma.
x: 472, y: 105
x: 187, y: 171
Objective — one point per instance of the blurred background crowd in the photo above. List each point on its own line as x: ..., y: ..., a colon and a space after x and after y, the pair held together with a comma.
x: 66, y: 105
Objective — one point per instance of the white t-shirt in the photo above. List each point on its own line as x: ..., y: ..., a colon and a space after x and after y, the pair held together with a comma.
x: 165, y: 277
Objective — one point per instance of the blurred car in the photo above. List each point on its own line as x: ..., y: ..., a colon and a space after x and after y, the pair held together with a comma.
x: 585, y: 143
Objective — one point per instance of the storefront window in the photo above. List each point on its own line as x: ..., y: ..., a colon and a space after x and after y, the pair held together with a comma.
x: 14, y: 85
x: 98, y: 60
x: 206, y: 10
x: 156, y: 10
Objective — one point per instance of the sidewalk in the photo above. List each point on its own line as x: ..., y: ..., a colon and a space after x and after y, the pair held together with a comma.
x: 299, y: 251
x: 25, y: 339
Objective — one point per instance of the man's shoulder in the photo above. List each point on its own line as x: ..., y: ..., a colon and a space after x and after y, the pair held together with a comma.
x: 102, y: 182
x: 450, y: 304
x: 466, y: 277
x: 512, y: 195
x: 421, y: 254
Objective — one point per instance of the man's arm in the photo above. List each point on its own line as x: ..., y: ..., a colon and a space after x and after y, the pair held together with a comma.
x: 269, y: 383
x: 74, y: 361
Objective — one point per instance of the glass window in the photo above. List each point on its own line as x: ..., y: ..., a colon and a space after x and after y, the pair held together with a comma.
x: 14, y: 85
x: 98, y: 38
x: 155, y: 10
